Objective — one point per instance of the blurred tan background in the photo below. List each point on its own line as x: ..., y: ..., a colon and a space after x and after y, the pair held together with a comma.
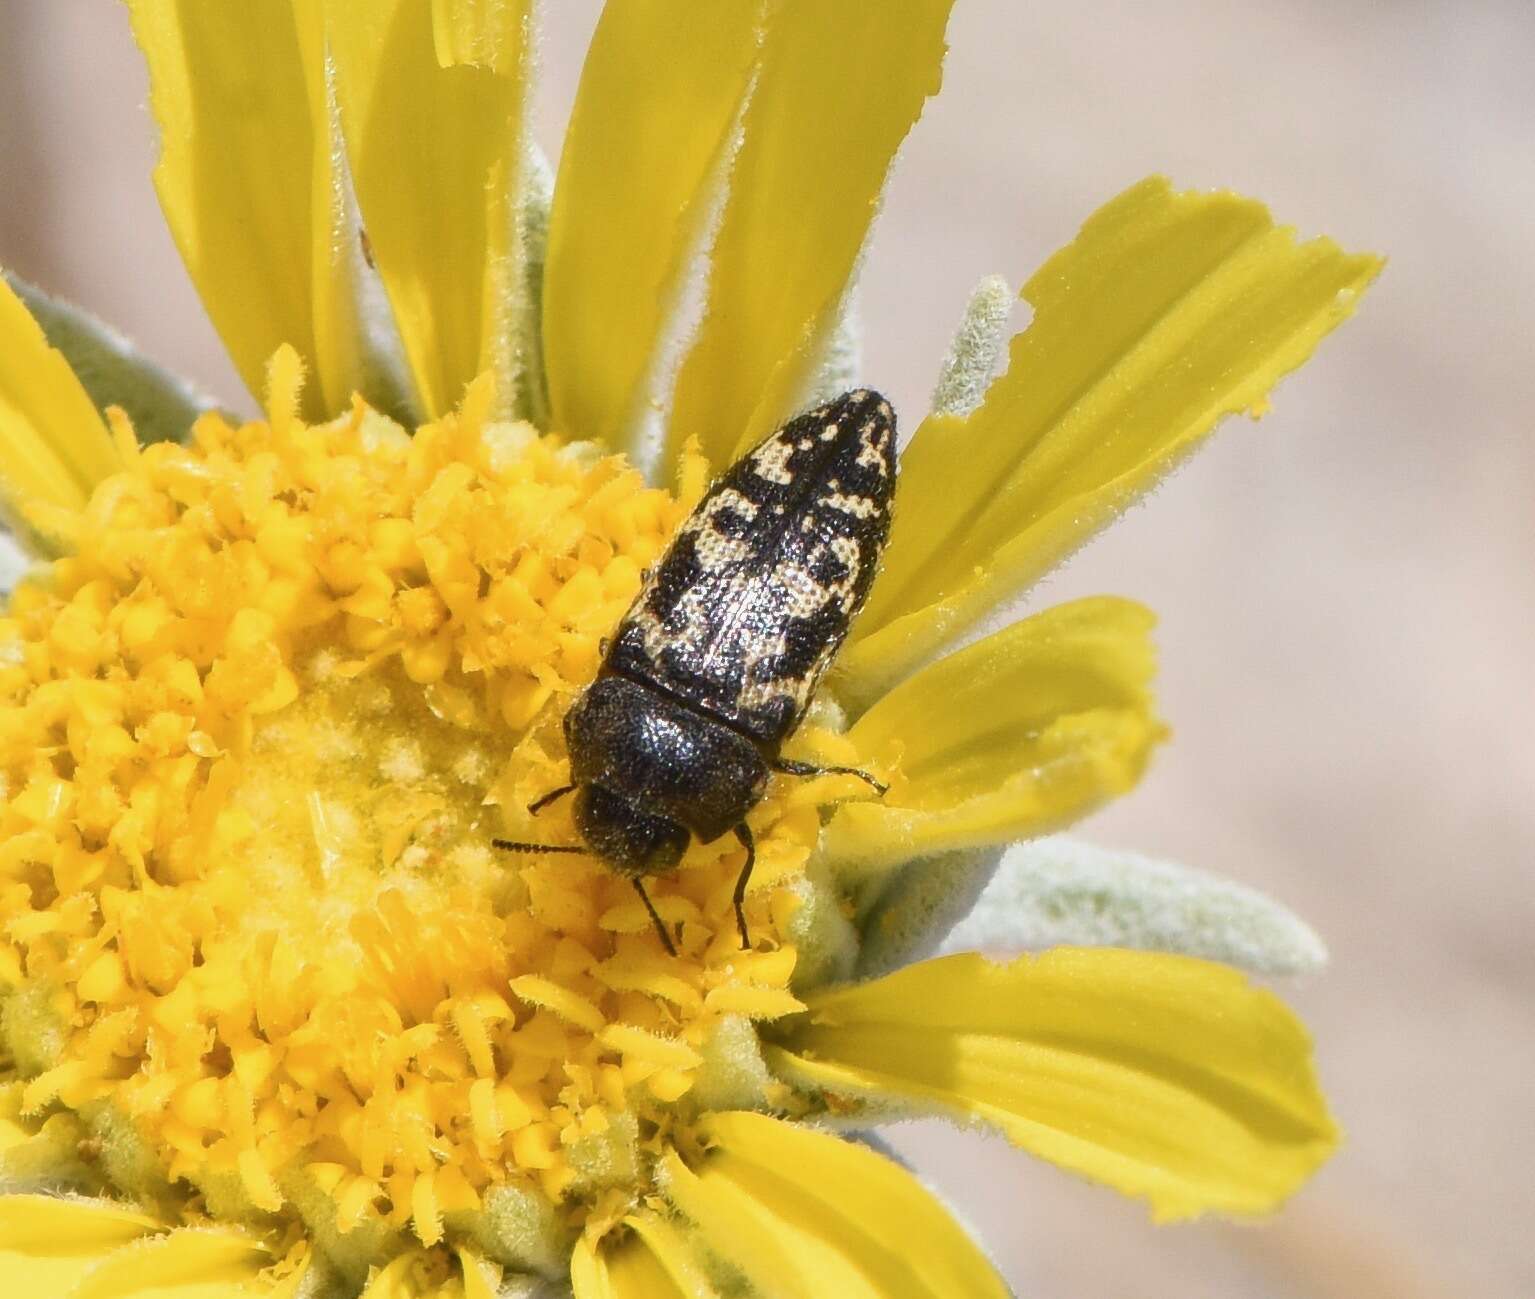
x: 1348, y: 608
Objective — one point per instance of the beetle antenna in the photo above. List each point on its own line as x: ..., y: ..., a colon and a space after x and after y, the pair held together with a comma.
x: 512, y: 846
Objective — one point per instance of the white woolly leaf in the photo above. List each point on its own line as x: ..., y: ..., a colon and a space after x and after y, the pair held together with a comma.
x: 918, y: 905
x: 977, y: 349
x: 733, y: 1075
x: 50, y: 1159
x: 842, y: 360
x: 608, y: 1158
x: 826, y: 942
x: 130, y: 1163
x: 519, y: 316
x: 161, y: 406
x: 1058, y: 891
x: 518, y: 1228
x: 31, y: 1032
x: 349, y: 1254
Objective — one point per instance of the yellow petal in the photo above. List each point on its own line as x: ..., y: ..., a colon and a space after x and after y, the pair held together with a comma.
x: 246, y: 180
x: 589, y: 1277
x: 432, y: 101
x: 483, y: 33
x: 159, y: 405
x: 660, y: 91
x: 182, y: 1265
x: 1162, y: 1076
x: 1021, y: 732
x: 410, y: 1276
x: 805, y: 1215
x: 838, y: 87
x: 670, y: 1248
x: 1168, y: 312
x: 481, y: 1281
x: 48, y: 1243
x: 652, y: 1263
x: 54, y: 447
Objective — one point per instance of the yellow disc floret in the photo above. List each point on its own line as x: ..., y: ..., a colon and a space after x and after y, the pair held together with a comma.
x: 256, y: 735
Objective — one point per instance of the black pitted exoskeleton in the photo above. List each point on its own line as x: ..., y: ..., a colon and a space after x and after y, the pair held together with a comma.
x: 716, y: 661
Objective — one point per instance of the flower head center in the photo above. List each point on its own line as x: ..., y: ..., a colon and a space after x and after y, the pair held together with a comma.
x: 258, y: 735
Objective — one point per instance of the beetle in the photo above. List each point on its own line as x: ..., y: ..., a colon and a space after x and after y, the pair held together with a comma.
x: 715, y: 663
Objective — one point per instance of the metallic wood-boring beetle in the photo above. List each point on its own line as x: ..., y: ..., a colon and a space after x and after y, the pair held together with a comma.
x: 715, y: 663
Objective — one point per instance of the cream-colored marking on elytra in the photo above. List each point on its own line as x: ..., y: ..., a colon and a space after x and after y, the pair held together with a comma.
x: 860, y: 507
x: 730, y: 499
x: 758, y: 692
x: 806, y: 595
x: 829, y: 433
x: 809, y: 596
x: 715, y: 548
x: 850, y: 553
x: 871, y: 446
x: 652, y: 634
x: 696, y: 622
x: 771, y: 461
x: 695, y: 617
x: 699, y: 619
x: 716, y: 551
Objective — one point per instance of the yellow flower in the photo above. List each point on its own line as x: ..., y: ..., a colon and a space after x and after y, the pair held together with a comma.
x: 277, y: 1020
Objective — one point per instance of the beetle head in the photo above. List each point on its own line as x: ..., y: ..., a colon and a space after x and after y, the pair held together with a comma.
x: 631, y: 841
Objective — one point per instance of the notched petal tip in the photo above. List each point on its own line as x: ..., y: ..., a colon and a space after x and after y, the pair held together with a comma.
x: 1165, y: 1077
x: 238, y: 95
x: 1167, y: 312
x: 637, y: 192
x: 446, y: 224
x: 818, y: 136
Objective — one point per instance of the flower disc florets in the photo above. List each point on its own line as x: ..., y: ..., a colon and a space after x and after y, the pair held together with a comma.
x: 258, y: 734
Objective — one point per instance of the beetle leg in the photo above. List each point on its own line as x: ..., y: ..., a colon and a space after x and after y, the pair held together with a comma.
x: 791, y: 768
x: 666, y: 939
x: 744, y: 834
x: 538, y: 804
